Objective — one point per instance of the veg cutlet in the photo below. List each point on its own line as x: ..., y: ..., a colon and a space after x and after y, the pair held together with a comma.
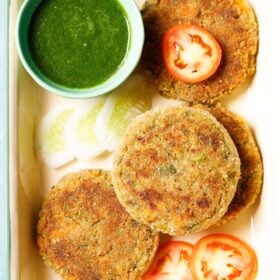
x: 177, y: 170
x: 231, y: 22
x: 250, y: 183
x: 85, y: 233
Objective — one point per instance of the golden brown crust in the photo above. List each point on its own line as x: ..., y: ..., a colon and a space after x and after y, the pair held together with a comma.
x: 84, y: 232
x: 233, y: 24
x: 177, y: 170
x: 250, y: 182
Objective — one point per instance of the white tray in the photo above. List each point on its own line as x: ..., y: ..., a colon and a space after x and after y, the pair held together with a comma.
x: 30, y: 180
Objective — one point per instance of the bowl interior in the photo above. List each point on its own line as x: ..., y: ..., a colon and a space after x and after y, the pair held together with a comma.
x: 136, y: 31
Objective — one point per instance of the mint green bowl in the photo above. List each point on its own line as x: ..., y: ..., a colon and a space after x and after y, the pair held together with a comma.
x: 128, y: 65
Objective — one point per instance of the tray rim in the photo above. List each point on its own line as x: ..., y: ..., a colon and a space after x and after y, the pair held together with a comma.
x: 4, y: 149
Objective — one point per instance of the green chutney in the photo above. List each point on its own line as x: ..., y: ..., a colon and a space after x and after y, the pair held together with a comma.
x: 79, y: 43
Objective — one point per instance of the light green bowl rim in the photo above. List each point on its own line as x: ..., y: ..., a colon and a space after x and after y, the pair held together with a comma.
x: 129, y: 64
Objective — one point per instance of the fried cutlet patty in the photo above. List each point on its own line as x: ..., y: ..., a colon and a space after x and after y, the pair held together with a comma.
x: 233, y: 24
x: 85, y: 233
x: 177, y: 170
x: 250, y: 183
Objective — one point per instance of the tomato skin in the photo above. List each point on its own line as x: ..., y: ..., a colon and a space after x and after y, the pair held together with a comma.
x: 225, y: 242
x: 165, y: 250
x: 175, y: 68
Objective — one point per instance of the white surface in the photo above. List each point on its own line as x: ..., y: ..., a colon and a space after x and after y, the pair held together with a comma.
x: 259, y: 104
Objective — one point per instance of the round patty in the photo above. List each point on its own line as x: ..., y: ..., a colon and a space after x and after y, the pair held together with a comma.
x: 250, y: 183
x: 177, y: 170
x: 233, y: 24
x: 85, y: 233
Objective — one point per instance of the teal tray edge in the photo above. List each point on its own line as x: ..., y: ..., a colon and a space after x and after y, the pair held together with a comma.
x: 4, y: 143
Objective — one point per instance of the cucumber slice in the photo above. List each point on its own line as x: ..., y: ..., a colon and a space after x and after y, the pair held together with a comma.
x: 121, y: 107
x: 80, y: 130
x: 51, y: 140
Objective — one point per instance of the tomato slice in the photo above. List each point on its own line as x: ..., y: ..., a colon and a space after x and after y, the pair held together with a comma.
x: 223, y: 257
x: 191, y: 54
x: 172, y: 262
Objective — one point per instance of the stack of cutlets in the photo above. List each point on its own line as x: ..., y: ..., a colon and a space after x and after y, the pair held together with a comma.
x: 183, y: 169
